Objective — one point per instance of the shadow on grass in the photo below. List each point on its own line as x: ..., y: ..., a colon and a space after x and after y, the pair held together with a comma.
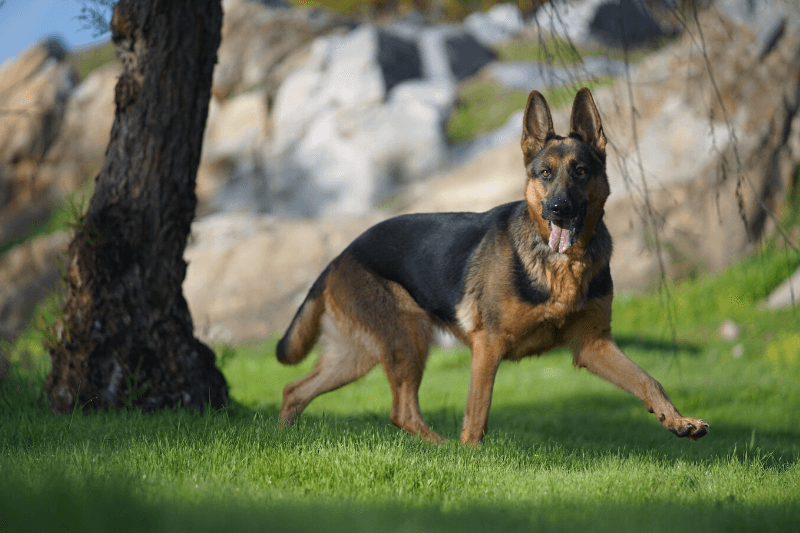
x: 592, y: 425
x: 65, y: 506
x: 626, y: 342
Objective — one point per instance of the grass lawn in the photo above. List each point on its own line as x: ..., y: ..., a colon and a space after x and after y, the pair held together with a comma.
x: 565, y: 450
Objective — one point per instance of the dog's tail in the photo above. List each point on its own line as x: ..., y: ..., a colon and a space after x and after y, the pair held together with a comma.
x: 303, y: 332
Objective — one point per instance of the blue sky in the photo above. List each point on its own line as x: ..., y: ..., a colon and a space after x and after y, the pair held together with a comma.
x: 24, y: 22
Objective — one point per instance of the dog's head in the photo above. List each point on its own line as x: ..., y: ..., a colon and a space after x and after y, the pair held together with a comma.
x: 567, y: 184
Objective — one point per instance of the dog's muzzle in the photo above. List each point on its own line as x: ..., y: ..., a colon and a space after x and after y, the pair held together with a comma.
x: 566, y: 222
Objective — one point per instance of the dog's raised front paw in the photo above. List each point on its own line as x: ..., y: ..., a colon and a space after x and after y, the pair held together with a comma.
x: 691, y: 428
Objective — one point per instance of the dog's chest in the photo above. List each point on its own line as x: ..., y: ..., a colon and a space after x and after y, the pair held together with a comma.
x: 532, y: 327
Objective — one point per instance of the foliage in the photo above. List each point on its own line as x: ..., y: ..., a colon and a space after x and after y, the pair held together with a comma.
x: 96, y: 16
x: 565, y: 451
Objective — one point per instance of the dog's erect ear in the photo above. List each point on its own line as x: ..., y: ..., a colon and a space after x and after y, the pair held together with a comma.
x: 537, y: 124
x: 585, y: 121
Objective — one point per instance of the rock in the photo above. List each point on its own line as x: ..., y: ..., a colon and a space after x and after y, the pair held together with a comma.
x: 341, y: 141
x: 28, y: 273
x: 342, y: 73
x: 449, y: 53
x: 236, y: 131
x: 568, y: 19
x: 398, y: 59
x: 33, y: 94
x: 618, y: 23
x: 768, y: 20
x: 79, y: 148
x: 786, y: 295
x: 247, y: 274
x: 713, y: 185
x: 500, y: 23
x: 466, y: 55
x: 624, y: 24
x: 729, y: 330
x: 362, y: 115
x: 493, y: 178
x: 262, y: 42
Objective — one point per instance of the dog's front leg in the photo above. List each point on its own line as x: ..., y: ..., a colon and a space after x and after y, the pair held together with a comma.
x: 485, y: 361
x: 603, y: 357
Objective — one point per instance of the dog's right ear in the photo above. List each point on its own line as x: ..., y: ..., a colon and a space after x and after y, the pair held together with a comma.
x: 537, y: 124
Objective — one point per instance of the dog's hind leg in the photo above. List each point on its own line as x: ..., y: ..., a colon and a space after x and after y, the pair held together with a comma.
x: 404, y: 367
x: 407, y: 336
x: 348, y: 353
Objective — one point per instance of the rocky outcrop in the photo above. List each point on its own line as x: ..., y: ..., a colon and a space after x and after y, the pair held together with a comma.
x: 79, y: 148
x: 702, y: 148
x: 363, y: 116
x: 248, y: 273
x: 230, y: 176
x: 614, y: 23
x: 263, y: 41
x: 28, y: 274
x: 786, y: 295
x: 499, y: 23
x: 718, y: 144
x: 34, y: 89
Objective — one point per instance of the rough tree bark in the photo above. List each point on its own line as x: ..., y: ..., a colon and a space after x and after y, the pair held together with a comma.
x: 126, y: 337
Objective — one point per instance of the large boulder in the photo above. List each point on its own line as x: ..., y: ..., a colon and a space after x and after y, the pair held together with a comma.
x: 229, y: 177
x: 499, y: 23
x: 786, y: 295
x: 718, y: 145
x: 78, y: 151
x: 248, y: 273
x: 34, y: 89
x: 28, y: 274
x: 263, y: 41
x: 615, y: 23
x: 347, y: 129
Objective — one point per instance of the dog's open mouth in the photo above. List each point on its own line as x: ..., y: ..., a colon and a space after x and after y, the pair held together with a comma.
x: 560, y: 236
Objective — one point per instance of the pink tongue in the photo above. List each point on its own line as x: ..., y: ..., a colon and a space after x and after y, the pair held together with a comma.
x: 559, y: 239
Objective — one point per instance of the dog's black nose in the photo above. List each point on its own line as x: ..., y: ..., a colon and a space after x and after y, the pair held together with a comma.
x: 561, y: 207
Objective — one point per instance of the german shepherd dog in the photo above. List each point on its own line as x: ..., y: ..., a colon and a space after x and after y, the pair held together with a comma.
x: 516, y: 281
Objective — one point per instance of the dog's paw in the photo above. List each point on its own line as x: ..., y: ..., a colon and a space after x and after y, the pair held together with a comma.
x: 286, y: 418
x: 691, y: 428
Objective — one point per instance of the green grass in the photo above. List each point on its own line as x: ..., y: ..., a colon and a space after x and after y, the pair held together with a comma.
x: 87, y: 60
x: 565, y: 450
x: 484, y: 106
x: 549, y: 50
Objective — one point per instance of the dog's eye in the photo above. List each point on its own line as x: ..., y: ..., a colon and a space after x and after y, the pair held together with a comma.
x: 545, y: 173
x: 582, y: 171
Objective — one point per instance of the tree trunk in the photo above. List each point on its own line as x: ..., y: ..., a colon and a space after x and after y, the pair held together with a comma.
x: 126, y: 337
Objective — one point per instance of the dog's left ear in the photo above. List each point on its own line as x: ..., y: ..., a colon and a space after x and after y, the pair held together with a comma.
x: 585, y: 121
